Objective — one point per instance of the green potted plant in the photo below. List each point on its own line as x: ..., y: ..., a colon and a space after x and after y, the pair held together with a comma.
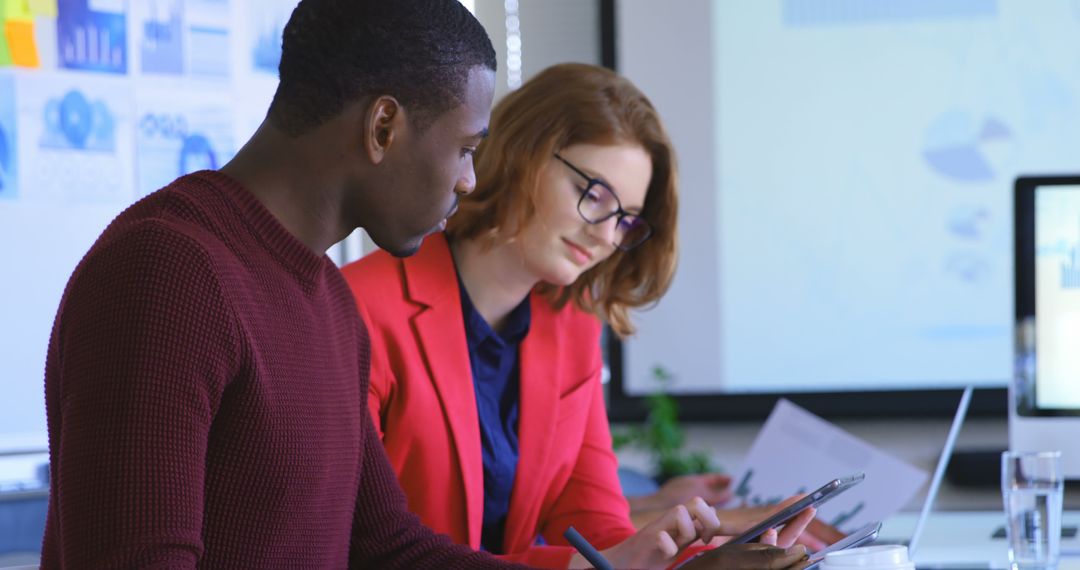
x: 662, y: 436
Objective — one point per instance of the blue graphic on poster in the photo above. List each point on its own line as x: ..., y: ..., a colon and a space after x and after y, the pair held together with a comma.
x: 76, y: 139
x: 91, y: 35
x: 969, y: 223
x: 268, y: 21
x: 72, y: 121
x: 210, y: 48
x: 956, y: 146
x: 8, y: 160
x: 173, y: 142
x: 208, y: 37
x: 267, y: 51
x: 162, y: 46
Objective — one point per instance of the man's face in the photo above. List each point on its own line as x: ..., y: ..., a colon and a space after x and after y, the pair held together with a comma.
x: 425, y: 171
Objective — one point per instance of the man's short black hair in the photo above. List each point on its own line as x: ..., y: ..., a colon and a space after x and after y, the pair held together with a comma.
x: 336, y: 52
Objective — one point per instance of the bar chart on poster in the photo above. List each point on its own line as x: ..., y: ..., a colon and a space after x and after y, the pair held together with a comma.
x: 101, y: 103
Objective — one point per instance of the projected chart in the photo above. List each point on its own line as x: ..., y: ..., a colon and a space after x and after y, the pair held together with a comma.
x: 864, y: 152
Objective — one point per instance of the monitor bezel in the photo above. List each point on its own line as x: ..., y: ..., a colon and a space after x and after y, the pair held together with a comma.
x: 1024, y: 237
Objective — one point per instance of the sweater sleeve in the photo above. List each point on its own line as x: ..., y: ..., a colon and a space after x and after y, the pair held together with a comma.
x: 141, y: 350
x: 386, y: 535
x: 380, y: 380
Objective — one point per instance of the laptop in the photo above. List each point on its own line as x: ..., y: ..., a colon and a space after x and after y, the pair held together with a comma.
x: 931, y: 494
x: 939, y: 471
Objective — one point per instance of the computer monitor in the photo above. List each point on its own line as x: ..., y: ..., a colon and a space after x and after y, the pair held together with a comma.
x: 1044, y: 397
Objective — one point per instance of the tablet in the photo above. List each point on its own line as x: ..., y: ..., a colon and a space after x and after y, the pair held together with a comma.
x: 860, y: 537
x: 815, y: 499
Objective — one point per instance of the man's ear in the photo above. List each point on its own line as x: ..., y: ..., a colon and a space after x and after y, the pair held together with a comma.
x: 384, y: 120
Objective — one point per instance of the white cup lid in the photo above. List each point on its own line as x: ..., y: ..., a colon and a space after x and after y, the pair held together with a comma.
x: 870, y: 557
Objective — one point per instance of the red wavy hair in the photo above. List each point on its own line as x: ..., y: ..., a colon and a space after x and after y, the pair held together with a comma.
x: 562, y: 106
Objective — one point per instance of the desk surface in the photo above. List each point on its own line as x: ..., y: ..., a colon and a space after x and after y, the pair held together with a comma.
x: 954, y: 538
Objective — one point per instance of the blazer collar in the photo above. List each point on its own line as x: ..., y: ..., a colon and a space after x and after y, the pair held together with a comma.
x: 440, y: 332
x: 429, y: 274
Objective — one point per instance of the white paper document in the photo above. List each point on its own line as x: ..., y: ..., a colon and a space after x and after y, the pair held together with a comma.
x: 797, y: 452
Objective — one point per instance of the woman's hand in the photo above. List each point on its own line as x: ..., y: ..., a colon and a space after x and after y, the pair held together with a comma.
x: 713, y: 487
x: 658, y: 543
x: 804, y: 529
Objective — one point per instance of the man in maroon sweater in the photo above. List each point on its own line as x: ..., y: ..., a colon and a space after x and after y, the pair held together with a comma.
x: 201, y: 383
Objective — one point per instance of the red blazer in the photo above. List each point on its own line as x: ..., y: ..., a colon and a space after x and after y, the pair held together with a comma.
x: 423, y: 403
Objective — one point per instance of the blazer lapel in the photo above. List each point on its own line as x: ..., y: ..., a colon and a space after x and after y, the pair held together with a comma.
x: 440, y: 332
x: 539, y: 407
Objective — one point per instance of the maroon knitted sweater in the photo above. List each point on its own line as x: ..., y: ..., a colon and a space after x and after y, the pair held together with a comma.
x: 205, y: 388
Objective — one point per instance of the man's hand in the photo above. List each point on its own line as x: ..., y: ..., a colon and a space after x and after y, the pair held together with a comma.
x: 750, y: 557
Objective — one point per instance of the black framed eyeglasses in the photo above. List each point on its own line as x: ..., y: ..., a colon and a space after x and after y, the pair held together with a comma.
x: 598, y: 203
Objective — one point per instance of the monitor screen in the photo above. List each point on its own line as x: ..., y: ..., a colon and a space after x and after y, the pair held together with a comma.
x: 1048, y: 295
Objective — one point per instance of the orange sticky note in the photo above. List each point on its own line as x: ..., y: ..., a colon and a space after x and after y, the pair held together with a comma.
x: 20, y: 39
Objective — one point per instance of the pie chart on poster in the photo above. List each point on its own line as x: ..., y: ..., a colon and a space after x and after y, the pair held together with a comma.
x: 964, y: 148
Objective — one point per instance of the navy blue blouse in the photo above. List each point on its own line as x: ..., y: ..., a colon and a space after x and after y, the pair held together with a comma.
x: 495, y: 371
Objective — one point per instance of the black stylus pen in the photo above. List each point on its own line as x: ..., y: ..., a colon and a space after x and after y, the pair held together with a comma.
x: 587, y: 550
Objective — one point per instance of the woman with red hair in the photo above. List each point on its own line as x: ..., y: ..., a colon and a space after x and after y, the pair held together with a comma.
x: 486, y: 359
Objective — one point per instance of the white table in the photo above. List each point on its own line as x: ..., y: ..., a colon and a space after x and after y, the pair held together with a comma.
x: 963, y: 538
